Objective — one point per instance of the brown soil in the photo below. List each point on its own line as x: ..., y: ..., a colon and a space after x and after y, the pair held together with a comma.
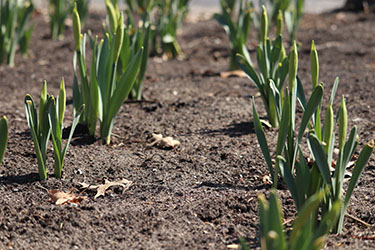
x: 204, y: 194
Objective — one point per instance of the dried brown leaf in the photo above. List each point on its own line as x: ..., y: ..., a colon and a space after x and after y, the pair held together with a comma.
x: 100, y: 189
x: 234, y: 73
x: 164, y: 142
x: 59, y: 197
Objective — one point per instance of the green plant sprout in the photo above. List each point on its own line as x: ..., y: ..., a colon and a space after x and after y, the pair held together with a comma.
x: 83, y: 9
x: 134, y: 40
x: 292, y: 11
x: 39, y: 127
x: 171, y: 14
x: 273, y: 69
x: 49, y: 121
x: 3, y: 137
x: 304, y: 179
x: 304, y: 235
x: 59, y: 10
x: 140, y: 6
x: 56, y: 111
x: 104, y: 91
x: 237, y: 30
x: 15, y: 31
x: 293, y: 17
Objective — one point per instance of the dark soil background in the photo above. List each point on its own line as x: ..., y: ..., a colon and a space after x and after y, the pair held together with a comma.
x: 204, y: 194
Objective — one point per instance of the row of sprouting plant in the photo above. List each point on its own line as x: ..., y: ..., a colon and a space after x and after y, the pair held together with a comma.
x: 163, y: 16
x: 316, y: 183
x: 117, y: 69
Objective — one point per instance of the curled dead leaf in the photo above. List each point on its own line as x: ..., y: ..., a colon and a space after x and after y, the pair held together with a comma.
x: 234, y: 73
x: 100, y: 189
x: 164, y: 142
x: 59, y: 197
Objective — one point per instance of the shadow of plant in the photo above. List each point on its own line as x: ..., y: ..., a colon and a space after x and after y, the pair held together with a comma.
x: 19, y: 179
x: 232, y: 130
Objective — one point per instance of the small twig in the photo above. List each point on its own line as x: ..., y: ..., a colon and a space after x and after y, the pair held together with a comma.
x: 45, y: 189
x: 358, y: 220
x: 84, y: 190
x: 175, y: 150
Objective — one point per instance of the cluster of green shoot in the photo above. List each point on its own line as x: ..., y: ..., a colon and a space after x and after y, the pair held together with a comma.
x: 134, y: 39
x: 237, y: 26
x: 49, y: 123
x: 141, y: 7
x: 273, y: 66
x: 59, y: 10
x: 14, y: 32
x: 292, y: 11
x: 238, y: 31
x: 166, y: 17
x: 3, y: 137
x: 113, y: 71
x: 304, y: 178
x: 306, y: 234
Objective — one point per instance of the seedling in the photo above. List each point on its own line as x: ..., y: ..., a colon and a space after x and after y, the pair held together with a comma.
x: 134, y: 40
x: 237, y: 30
x: 273, y: 69
x: 56, y: 111
x: 3, y: 137
x: 304, y: 179
x: 59, y: 10
x: 83, y: 9
x: 140, y: 6
x: 39, y: 127
x: 304, y: 235
x: 291, y: 10
x: 104, y: 92
x: 293, y: 17
x: 14, y: 32
x: 171, y: 14
x: 50, y: 119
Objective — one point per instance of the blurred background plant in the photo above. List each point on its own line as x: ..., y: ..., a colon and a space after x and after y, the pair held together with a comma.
x: 237, y: 26
x: 140, y: 7
x: 166, y: 17
x: 60, y: 10
x: 15, y: 30
x: 169, y: 16
x: 292, y: 11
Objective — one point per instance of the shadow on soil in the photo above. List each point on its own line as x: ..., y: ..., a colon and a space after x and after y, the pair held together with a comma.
x: 232, y: 130
x: 19, y: 179
x: 226, y: 186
